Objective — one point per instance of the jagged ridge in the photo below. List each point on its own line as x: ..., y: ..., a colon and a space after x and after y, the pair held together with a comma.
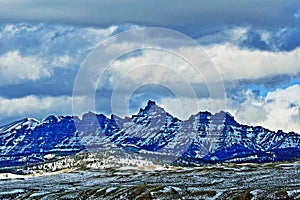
x: 203, y: 138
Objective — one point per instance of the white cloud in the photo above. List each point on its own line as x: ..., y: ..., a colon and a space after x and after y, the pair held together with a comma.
x: 279, y: 110
x: 229, y: 62
x: 32, y: 106
x: 58, y: 46
x: 239, y: 33
x: 15, y: 68
x: 282, y: 107
x: 97, y: 35
x: 62, y: 61
x: 250, y: 112
x: 33, y: 51
x: 236, y: 63
x: 183, y: 107
x: 162, y: 62
x: 232, y: 63
x: 160, y: 66
x: 66, y: 46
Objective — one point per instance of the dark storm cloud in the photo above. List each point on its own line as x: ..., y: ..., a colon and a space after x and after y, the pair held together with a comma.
x: 174, y: 13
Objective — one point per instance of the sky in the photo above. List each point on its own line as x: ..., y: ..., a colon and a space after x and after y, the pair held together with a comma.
x: 68, y: 57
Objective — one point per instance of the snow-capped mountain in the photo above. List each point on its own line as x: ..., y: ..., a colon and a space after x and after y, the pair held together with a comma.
x: 230, y: 141
x: 151, y: 129
x: 203, y: 138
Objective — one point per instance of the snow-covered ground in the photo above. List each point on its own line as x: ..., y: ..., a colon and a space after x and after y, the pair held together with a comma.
x: 6, y: 176
x: 222, y: 181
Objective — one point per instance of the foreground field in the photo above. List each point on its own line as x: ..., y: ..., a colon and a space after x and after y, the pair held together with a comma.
x: 226, y: 181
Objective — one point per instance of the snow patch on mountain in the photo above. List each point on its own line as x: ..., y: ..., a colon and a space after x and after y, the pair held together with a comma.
x: 202, y: 138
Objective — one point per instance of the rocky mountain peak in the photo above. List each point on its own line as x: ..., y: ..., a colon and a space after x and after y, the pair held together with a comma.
x: 211, y: 137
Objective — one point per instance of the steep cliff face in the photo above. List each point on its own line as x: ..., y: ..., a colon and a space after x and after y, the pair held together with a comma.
x: 203, y: 138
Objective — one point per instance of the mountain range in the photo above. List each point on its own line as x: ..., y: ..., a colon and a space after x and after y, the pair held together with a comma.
x: 201, y: 139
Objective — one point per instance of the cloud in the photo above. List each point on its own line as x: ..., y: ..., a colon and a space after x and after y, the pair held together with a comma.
x: 33, y: 52
x: 153, y: 13
x: 283, y: 106
x: 239, y: 69
x: 51, y: 41
x: 151, y: 66
x: 65, y: 47
x: 263, y: 38
x: 184, y: 107
x: 279, y: 110
x: 39, y: 63
x: 15, y: 68
x: 231, y: 63
x: 33, y: 106
x: 236, y: 63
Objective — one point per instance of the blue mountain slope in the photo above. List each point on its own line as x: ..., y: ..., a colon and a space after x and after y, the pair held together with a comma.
x: 209, y: 138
